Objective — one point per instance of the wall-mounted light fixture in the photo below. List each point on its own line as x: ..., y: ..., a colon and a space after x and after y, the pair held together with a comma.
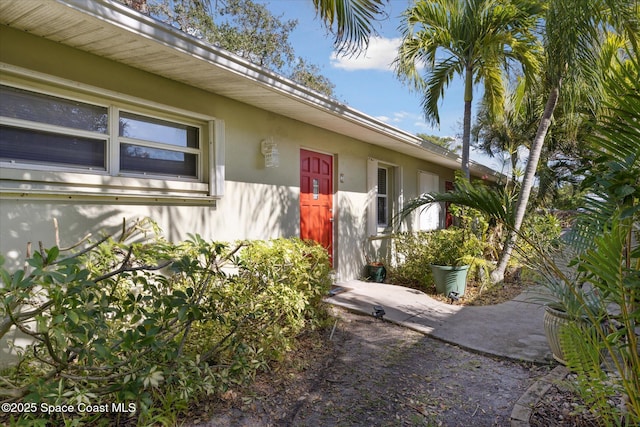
x: 270, y: 152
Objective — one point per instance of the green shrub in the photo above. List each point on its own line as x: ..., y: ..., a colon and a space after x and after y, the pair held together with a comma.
x: 141, y: 321
x: 303, y: 265
x: 275, y: 295
x: 412, y: 259
x: 416, y: 251
x: 541, y: 229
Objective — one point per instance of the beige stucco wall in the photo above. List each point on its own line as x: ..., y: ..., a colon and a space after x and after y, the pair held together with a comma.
x: 259, y: 202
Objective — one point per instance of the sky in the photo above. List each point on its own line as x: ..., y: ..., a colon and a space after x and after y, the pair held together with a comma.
x: 367, y: 82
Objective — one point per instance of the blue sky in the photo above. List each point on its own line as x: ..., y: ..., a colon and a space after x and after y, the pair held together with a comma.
x: 367, y: 82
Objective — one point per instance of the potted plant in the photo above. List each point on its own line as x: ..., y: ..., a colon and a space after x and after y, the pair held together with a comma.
x: 452, y: 252
x: 569, y: 301
x: 376, y: 272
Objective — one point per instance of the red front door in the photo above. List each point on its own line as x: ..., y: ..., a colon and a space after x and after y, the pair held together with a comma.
x: 316, y: 198
x: 448, y: 219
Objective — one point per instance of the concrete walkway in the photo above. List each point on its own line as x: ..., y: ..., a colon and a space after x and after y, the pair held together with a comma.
x: 513, y: 329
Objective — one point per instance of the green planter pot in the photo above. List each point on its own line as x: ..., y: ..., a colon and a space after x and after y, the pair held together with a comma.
x: 450, y: 279
x: 376, y: 273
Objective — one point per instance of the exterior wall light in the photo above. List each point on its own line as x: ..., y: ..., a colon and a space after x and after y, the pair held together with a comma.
x: 270, y: 152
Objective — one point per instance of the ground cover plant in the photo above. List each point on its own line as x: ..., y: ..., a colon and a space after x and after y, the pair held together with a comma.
x: 132, y: 329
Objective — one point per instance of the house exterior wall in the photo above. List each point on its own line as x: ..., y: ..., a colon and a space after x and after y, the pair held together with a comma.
x: 258, y: 202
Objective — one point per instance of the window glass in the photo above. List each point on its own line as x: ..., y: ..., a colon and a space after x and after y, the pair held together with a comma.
x: 382, y: 211
x: 382, y: 181
x: 150, y: 129
x: 27, y: 145
x: 21, y: 104
x: 383, y: 206
x: 136, y: 158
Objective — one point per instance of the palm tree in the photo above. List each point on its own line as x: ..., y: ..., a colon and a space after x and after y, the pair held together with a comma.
x: 578, y: 52
x: 513, y: 130
x: 476, y: 39
x: 605, y: 241
x: 573, y: 48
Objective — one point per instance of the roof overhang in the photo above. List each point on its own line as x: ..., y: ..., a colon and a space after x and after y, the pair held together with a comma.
x: 114, y: 31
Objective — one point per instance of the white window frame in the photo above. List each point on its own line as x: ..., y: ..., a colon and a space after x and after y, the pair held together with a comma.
x: 394, y: 195
x: 51, y: 181
x: 119, y: 140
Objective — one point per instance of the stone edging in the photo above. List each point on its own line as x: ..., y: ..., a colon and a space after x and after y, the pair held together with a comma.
x: 523, y: 408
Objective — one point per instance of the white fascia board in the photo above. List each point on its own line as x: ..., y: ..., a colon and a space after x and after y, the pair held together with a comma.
x: 121, y: 16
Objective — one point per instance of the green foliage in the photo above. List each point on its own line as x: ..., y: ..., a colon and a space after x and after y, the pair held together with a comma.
x: 139, y: 320
x: 454, y: 247
x: 568, y: 197
x: 540, y: 232
x: 608, y: 256
x: 611, y: 303
x: 444, y: 142
x: 310, y: 75
x: 584, y: 350
x: 475, y: 40
x: 496, y: 204
x: 275, y: 295
x: 416, y: 251
x: 248, y: 29
x: 412, y: 259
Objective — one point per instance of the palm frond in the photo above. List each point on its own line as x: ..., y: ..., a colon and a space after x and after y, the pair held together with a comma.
x: 353, y: 19
x: 438, y: 80
x: 615, y: 177
x: 492, y: 201
x: 453, y: 37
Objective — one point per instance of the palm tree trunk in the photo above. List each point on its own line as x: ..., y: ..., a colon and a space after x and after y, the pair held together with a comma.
x: 466, y: 127
x: 513, y: 156
x: 527, y: 183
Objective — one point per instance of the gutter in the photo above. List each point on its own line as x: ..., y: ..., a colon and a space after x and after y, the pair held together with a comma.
x: 127, y: 19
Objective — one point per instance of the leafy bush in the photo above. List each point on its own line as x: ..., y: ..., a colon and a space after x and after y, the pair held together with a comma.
x: 273, y: 296
x: 416, y: 251
x: 412, y: 259
x: 454, y: 247
x: 541, y: 229
x: 144, y: 322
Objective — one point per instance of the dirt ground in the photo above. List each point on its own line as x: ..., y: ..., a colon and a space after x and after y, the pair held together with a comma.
x: 368, y: 372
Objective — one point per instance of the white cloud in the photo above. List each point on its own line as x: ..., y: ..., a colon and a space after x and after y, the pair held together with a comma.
x: 422, y: 125
x: 379, y: 56
x: 398, y: 117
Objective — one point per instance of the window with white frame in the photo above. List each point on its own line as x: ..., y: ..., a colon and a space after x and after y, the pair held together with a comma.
x: 384, y: 188
x: 54, y: 133
x: 155, y: 146
x: 49, y: 130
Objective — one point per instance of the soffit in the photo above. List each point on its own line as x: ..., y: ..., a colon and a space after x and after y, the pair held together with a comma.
x: 112, y: 30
